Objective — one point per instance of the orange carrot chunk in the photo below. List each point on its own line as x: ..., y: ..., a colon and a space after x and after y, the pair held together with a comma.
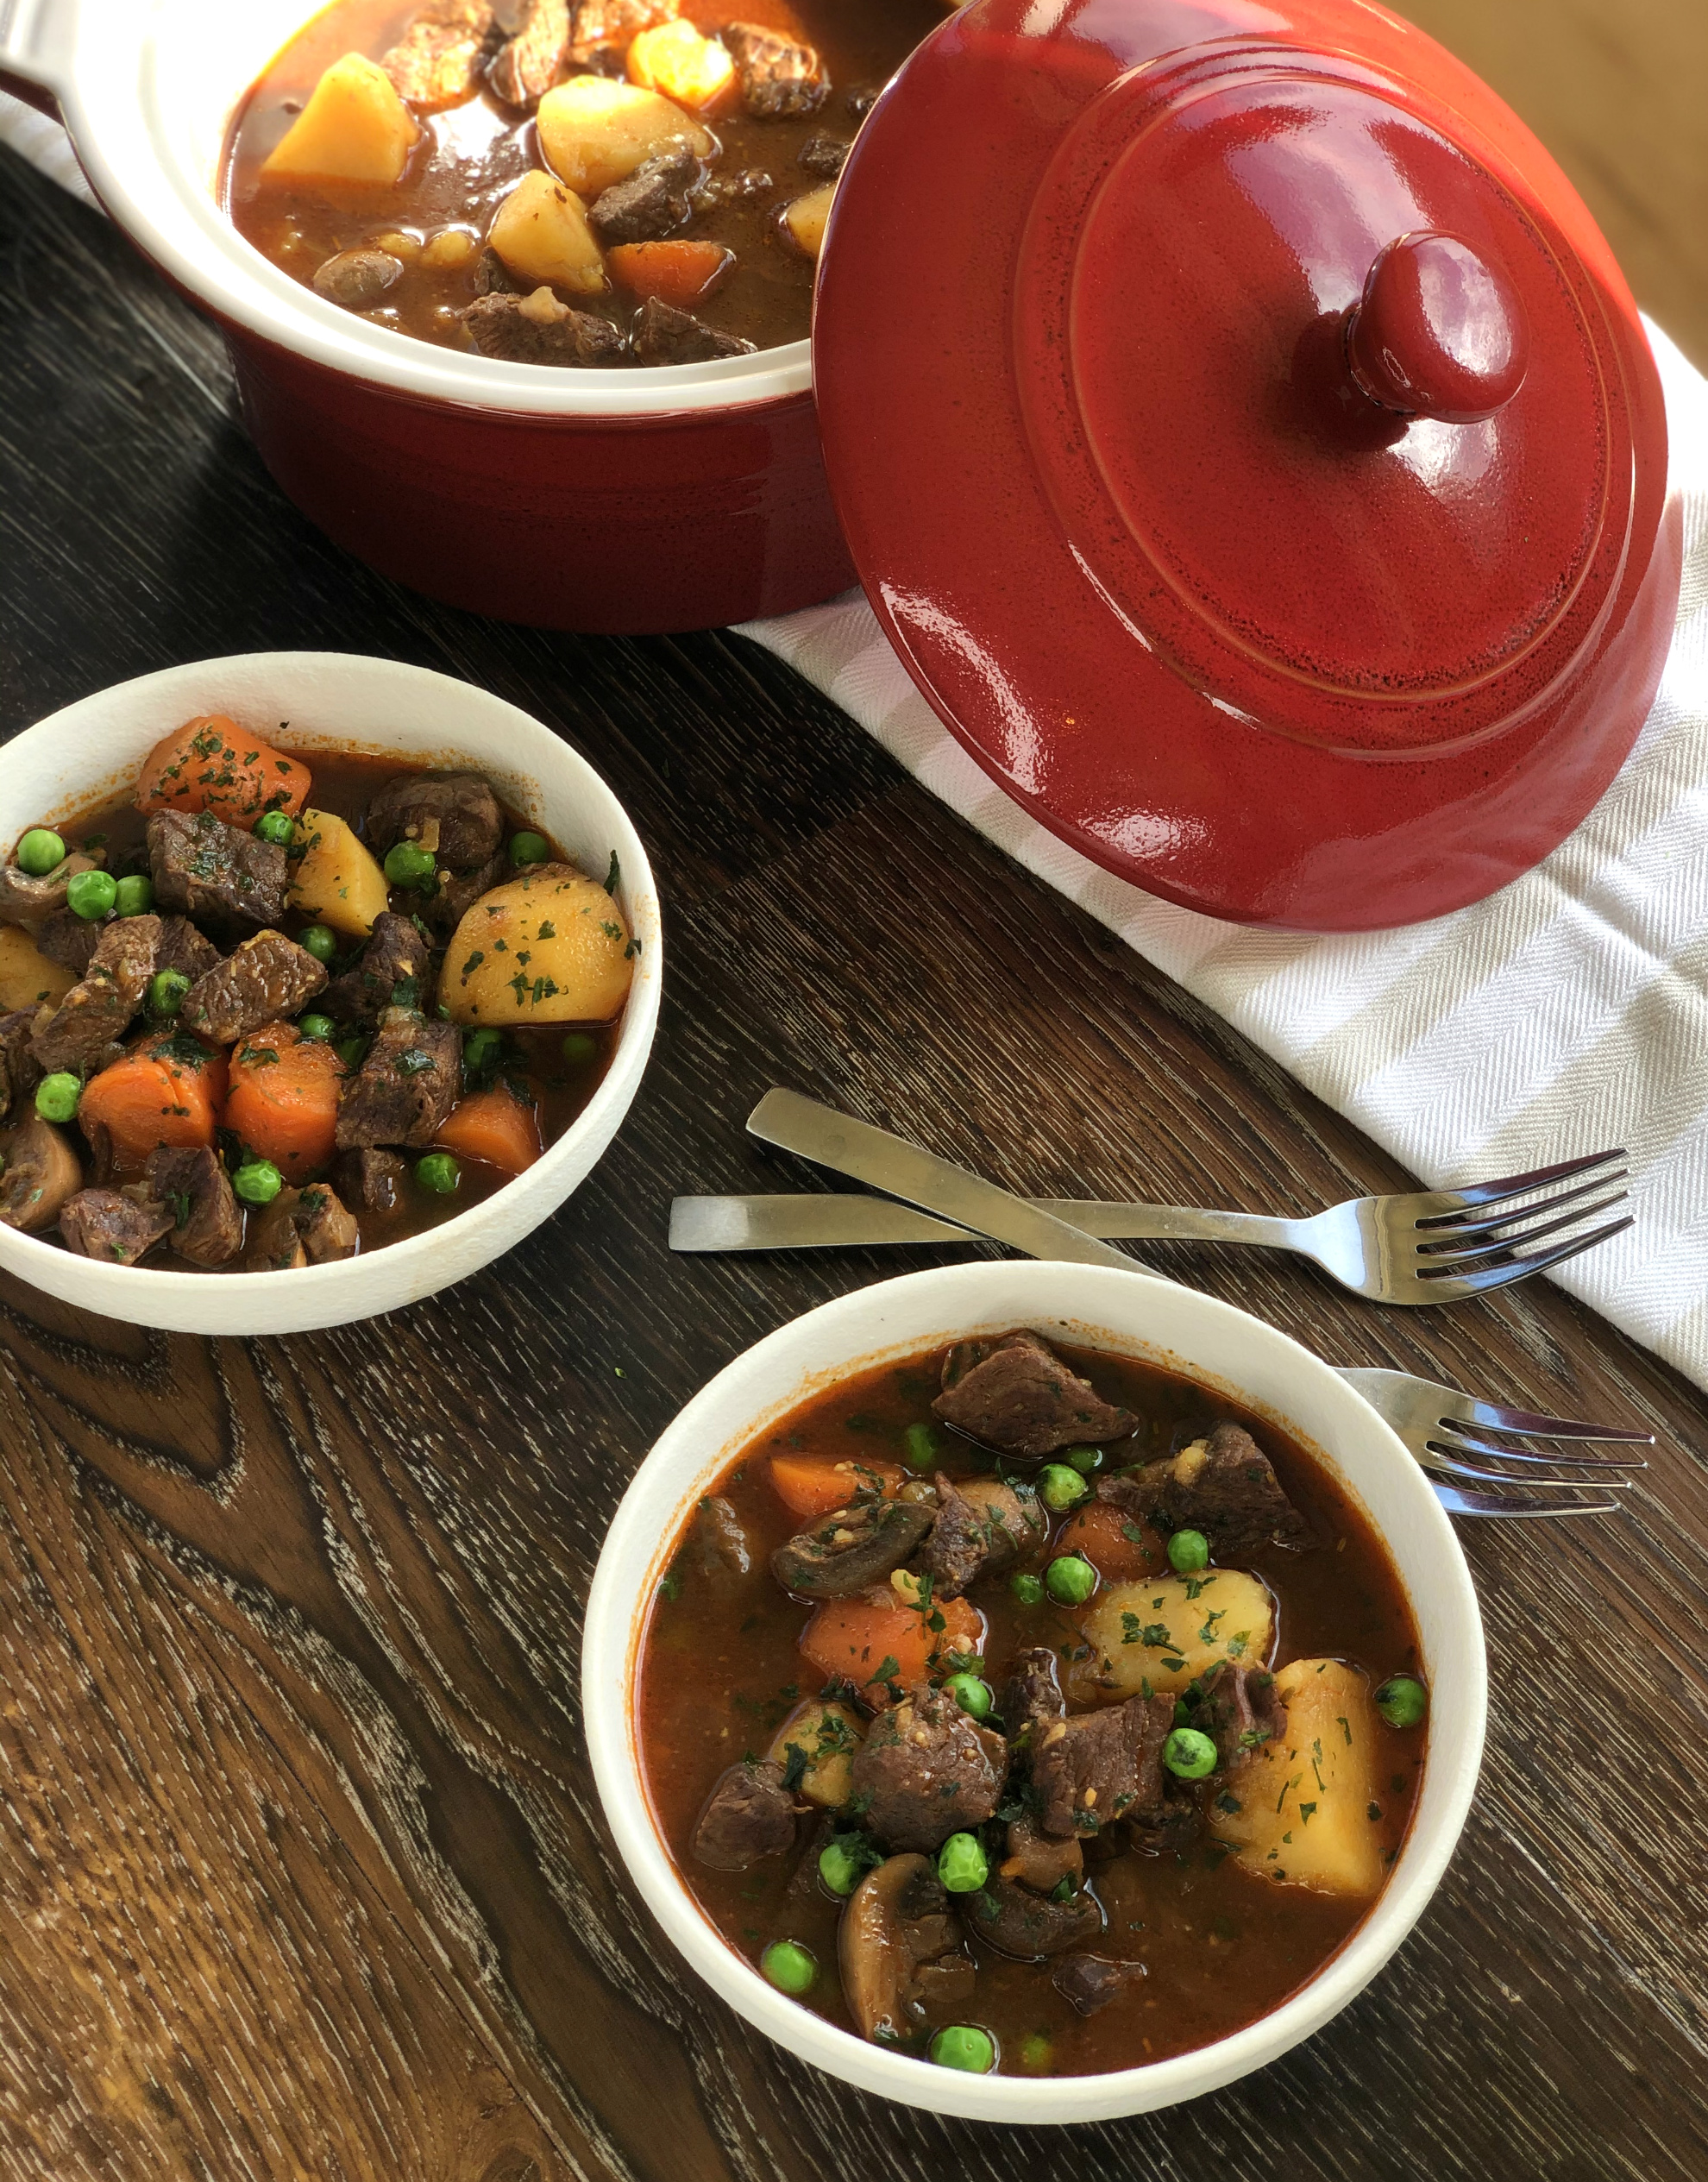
x: 1118, y: 1546
x: 494, y: 1127
x: 168, y: 1089
x: 883, y: 1646
x: 283, y: 1104
x: 213, y: 765
x: 808, y: 1485
x: 678, y: 272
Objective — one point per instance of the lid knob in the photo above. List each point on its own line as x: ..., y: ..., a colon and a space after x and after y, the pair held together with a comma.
x: 1438, y: 332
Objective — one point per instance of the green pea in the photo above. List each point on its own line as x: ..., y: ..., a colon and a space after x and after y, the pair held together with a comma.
x: 40, y: 852
x: 1060, y: 1487
x: 273, y: 825
x: 961, y: 1864
x: 1188, y: 1552
x: 481, y: 1049
x: 579, y: 1048
x: 1069, y: 1580
x: 319, y: 1028
x: 1189, y: 1755
x: 321, y: 941
x: 1086, y: 1459
x: 409, y: 865
x: 437, y: 1172
x: 133, y: 897
x: 352, y: 1051
x: 965, y: 2046
x: 166, y: 988
x: 789, y: 1967
x: 90, y: 895
x: 918, y: 1447
x: 1036, y: 2053
x: 1402, y: 1700
x: 258, y: 1181
x: 1027, y: 1589
x: 971, y: 1693
x: 843, y: 1862
x: 528, y: 848
x: 57, y: 1095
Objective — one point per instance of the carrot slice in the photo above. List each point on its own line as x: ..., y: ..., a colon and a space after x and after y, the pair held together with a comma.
x: 494, y: 1127
x: 1119, y: 1547
x: 213, y: 765
x: 884, y: 1646
x: 809, y: 1485
x: 676, y: 273
x: 283, y: 1104
x: 168, y: 1089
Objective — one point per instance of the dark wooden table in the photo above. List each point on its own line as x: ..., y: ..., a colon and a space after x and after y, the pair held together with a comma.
x: 301, y: 1870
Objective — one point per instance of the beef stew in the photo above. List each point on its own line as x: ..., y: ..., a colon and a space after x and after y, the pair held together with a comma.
x: 1051, y: 1734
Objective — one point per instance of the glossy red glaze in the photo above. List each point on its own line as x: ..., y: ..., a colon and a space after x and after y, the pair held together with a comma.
x: 1438, y: 332
x: 1225, y: 624
x: 620, y: 526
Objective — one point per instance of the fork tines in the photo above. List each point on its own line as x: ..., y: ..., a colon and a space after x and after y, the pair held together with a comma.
x: 1484, y: 1221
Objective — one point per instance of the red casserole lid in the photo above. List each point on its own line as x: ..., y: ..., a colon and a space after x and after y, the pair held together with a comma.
x: 1245, y: 435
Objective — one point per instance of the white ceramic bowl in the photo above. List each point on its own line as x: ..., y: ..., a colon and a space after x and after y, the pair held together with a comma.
x: 91, y: 751
x: 1138, y: 1316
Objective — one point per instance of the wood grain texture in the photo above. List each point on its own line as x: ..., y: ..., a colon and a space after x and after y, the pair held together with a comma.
x: 301, y: 1870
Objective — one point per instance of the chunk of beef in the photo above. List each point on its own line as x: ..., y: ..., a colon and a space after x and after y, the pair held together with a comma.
x: 456, y: 816
x: 20, y: 1070
x: 530, y: 59
x: 216, y: 873
x: 309, y: 1226
x: 67, y: 938
x: 1238, y: 1709
x: 604, y: 29
x: 1032, y: 1925
x: 536, y: 329
x: 1031, y: 1700
x: 41, y: 1172
x: 778, y: 77
x: 268, y: 978
x: 824, y: 156
x: 1017, y: 1394
x: 651, y: 201
x: 740, y: 186
x: 1093, y: 1768
x: 928, y: 1769
x: 440, y: 57
x: 493, y: 277
x: 1091, y: 1982
x: 394, y: 969
x: 1039, y: 1860
x: 445, y: 908
x: 207, y: 1222
x: 856, y: 1546
x: 115, y: 1225
x: 663, y: 335
x: 82, y: 1034
x: 721, y: 1539
x: 405, y: 1089
x: 1222, y: 1486
x: 1171, y: 1827
x: 983, y: 1526
x: 372, y: 1181
x: 185, y: 949
x: 355, y: 279
x: 30, y: 901
x: 748, y: 1814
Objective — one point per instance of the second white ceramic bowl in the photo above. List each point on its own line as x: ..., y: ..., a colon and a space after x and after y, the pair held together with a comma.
x: 306, y: 700
x: 1153, y: 1319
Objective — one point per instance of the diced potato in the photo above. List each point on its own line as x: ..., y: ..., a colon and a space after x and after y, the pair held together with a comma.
x: 549, y: 946
x: 1303, y: 1802
x: 354, y: 129
x: 541, y: 232
x: 594, y: 131
x: 1163, y: 1632
x: 804, y: 218
x: 337, y: 881
x: 27, y: 977
x: 828, y: 1735
x: 678, y: 60
x: 451, y: 247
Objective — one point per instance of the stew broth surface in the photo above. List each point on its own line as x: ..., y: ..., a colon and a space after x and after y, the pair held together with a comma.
x: 719, y: 1671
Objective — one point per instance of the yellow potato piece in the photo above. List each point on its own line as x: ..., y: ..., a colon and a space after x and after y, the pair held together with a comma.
x: 1304, y: 1799
x: 337, y: 881
x: 1160, y: 1634
x: 828, y: 1736
x: 541, y: 232
x: 804, y: 218
x: 549, y: 946
x: 27, y: 977
x: 675, y: 58
x: 354, y: 129
x: 594, y: 131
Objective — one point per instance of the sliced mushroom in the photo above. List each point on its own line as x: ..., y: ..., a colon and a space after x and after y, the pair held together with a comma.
x: 982, y: 1526
x: 1032, y: 1925
x: 901, y: 1951
x: 30, y: 901
x: 43, y: 1173
x: 858, y: 1545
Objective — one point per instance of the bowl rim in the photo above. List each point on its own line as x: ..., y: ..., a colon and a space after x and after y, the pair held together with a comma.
x: 125, y: 1292
x: 648, y: 1521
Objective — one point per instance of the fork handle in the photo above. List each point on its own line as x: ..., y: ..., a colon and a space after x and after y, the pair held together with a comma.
x: 1126, y: 1223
